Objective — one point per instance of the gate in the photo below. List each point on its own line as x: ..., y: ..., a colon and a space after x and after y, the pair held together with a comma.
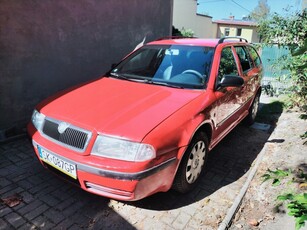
x: 275, y: 80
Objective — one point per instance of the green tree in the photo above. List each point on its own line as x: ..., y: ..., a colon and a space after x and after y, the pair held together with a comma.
x: 187, y: 32
x: 290, y: 31
x: 261, y: 11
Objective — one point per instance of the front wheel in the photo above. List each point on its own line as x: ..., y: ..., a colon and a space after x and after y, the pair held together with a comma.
x: 192, y: 164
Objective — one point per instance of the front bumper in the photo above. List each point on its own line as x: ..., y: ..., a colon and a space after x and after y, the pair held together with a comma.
x: 119, y: 184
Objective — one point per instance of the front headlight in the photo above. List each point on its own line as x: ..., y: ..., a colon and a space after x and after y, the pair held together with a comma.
x: 38, y: 119
x: 115, y: 148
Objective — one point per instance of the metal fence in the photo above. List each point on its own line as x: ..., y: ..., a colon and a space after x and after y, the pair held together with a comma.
x: 276, y: 80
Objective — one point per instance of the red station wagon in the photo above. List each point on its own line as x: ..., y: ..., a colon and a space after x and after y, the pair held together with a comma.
x: 148, y: 124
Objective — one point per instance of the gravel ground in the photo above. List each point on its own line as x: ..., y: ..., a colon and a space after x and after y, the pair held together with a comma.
x: 285, y: 149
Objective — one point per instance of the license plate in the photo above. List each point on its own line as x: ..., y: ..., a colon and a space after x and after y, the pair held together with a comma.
x: 58, y: 163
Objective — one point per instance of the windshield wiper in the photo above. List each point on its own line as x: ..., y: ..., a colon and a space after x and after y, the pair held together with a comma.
x: 121, y: 76
x: 162, y: 83
x: 147, y: 81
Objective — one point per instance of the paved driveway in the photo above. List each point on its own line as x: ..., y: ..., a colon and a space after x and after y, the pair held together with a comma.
x: 43, y: 201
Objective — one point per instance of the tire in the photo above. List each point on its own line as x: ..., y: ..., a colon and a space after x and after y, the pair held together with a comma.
x: 192, y: 164
x: 252, y: 112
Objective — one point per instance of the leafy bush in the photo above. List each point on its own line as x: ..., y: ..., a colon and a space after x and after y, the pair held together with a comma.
x: 296, y: 200
x: 290, y: 31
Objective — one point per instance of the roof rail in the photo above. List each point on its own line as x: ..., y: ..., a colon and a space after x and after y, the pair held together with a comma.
x: 239, y: 38
x: 173, y: 37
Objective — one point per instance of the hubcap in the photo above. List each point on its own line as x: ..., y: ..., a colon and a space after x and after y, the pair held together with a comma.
x: 196, y: 161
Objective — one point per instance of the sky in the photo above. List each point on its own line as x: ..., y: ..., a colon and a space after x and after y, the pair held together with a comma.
x: 222, y: 9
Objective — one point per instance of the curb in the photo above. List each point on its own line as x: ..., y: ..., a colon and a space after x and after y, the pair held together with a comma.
x: 237, y: 202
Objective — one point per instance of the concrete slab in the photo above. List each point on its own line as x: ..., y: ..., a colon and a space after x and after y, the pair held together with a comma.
x: 261, y: 126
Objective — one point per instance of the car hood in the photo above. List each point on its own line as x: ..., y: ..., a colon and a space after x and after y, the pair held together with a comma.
x: 118, y: 107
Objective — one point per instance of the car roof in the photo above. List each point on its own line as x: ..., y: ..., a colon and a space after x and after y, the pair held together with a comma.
x: 210, y: 42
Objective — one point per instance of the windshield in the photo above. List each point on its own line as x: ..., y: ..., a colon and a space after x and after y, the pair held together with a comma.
x: 171, y: 65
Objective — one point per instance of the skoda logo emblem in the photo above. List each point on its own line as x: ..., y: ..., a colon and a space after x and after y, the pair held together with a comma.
x: 62, y: 127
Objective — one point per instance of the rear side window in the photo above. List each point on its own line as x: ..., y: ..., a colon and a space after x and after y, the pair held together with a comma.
x: 254, y: 55
x: 244, y: 58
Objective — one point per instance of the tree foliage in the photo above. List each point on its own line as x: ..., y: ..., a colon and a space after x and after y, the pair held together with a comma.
x: 290, y: 31
x: 187, y: 32
x: 261, y: 11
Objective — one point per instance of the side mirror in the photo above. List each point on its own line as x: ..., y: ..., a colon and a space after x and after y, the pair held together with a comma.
x: 231, y: 81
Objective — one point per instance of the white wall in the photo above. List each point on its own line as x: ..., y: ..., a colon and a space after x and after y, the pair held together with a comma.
x: 184, y: 16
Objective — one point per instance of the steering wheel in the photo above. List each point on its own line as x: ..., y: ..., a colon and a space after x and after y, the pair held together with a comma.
x: 195, y: 73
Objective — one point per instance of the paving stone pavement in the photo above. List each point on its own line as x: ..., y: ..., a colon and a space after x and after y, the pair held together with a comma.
x: 45, y: 201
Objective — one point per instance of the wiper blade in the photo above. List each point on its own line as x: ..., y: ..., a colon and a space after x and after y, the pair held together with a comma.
x: 120, y: 76
x: 163, y: 84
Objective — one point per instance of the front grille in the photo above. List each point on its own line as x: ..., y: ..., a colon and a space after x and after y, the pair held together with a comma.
x: 71, y: 137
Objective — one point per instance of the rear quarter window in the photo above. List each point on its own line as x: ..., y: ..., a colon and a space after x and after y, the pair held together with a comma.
x: 254, y: 55
x: 244, y: 58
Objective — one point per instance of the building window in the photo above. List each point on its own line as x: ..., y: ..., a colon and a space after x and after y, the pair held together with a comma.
x: 239, y: 31
x: 226, y: 31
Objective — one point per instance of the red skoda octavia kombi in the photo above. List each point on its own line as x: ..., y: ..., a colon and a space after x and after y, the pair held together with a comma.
x: 148, y: 124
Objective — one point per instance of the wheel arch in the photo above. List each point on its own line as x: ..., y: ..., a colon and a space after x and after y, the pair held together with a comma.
x: 205, y: 127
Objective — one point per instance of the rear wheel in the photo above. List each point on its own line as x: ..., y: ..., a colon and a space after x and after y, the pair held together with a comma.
x: 252, y: 112
x: 192, y: 164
